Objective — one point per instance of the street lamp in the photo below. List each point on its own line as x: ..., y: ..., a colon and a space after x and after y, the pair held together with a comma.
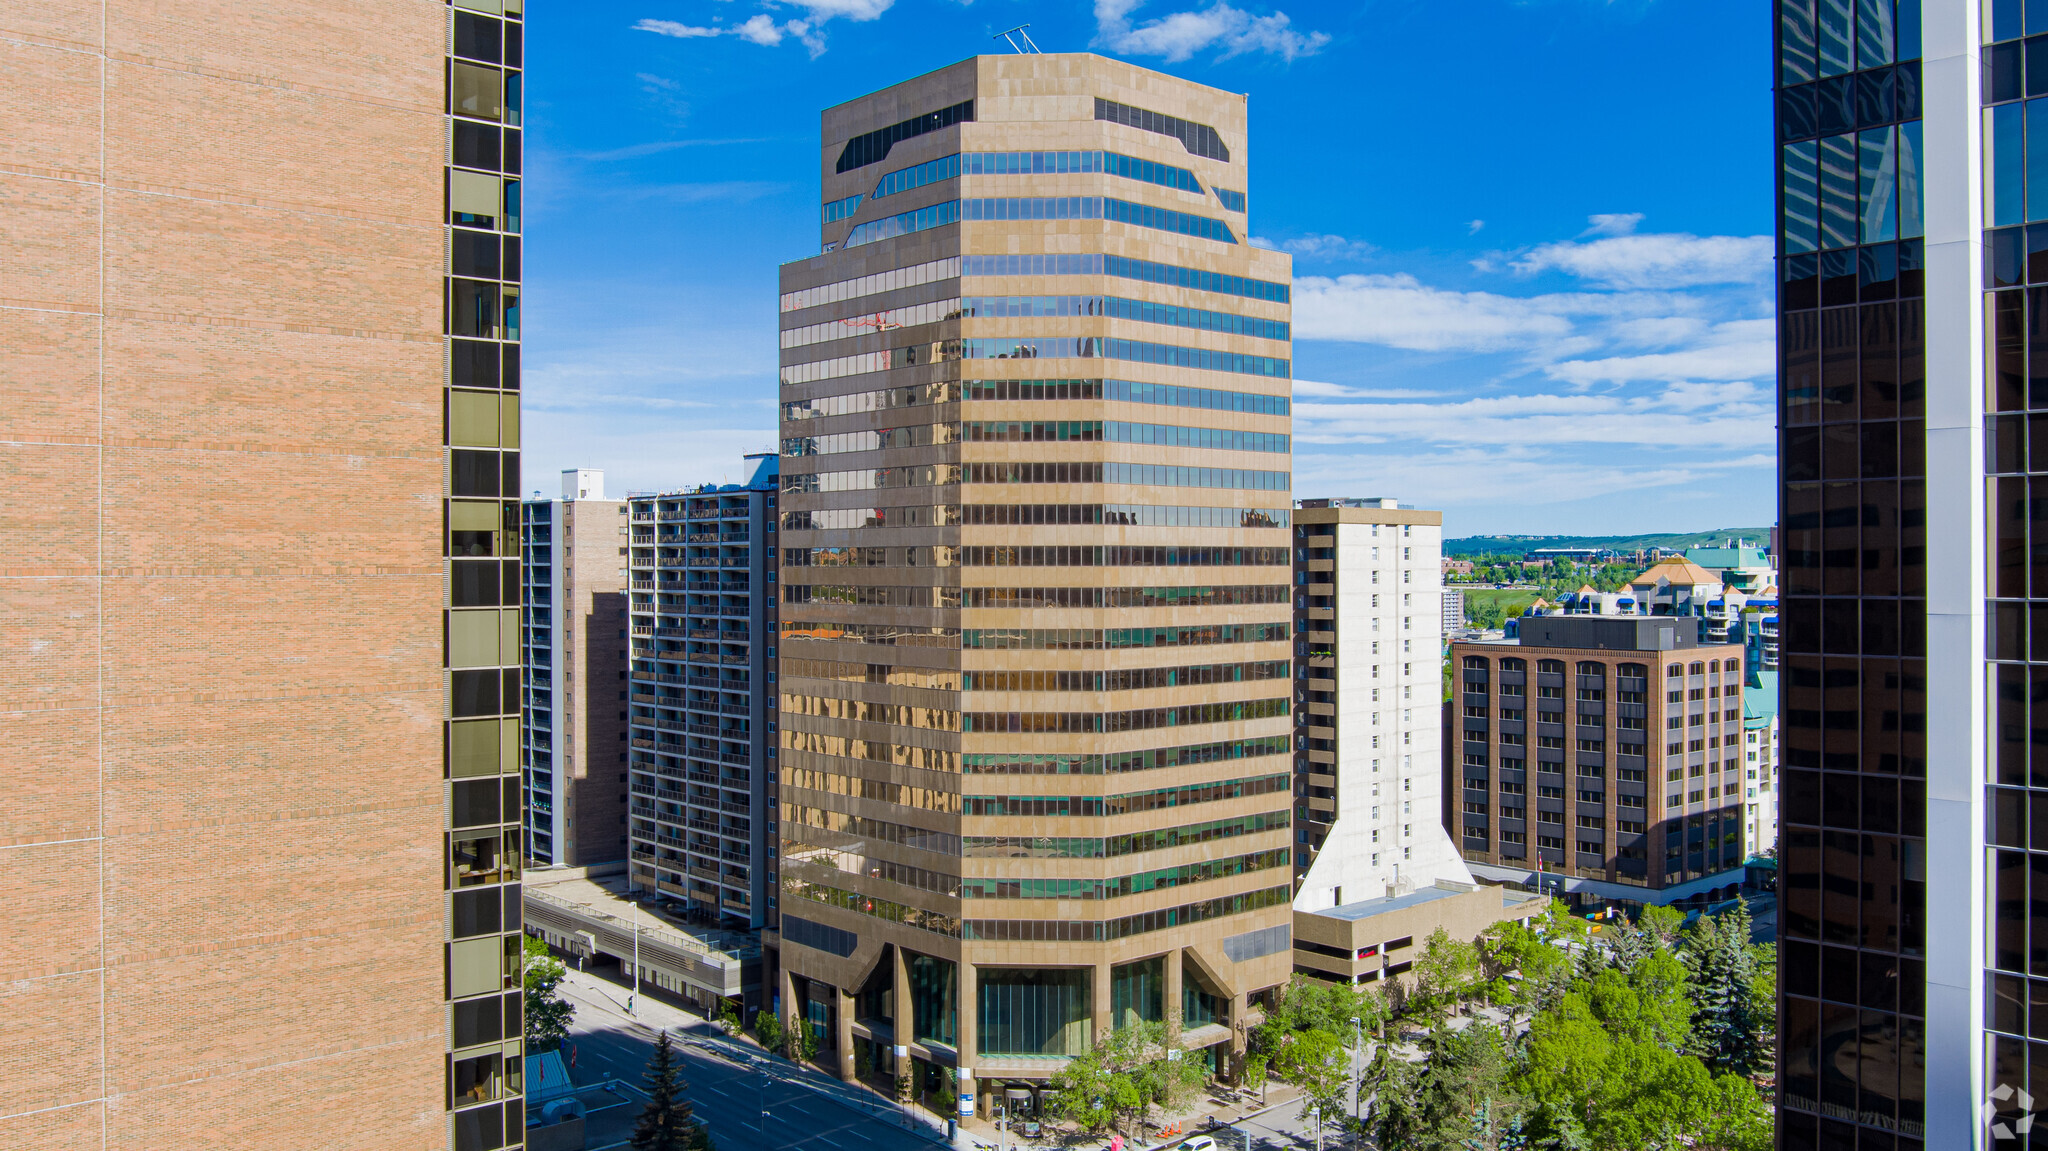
x: 634, y: 911
x: 1357, y: 1050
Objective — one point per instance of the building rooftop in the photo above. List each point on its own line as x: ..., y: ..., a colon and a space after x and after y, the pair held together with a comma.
x: 604, y: 898
x: 1677, y: 571
x: 1367, y: 908
x: 1759, y: 697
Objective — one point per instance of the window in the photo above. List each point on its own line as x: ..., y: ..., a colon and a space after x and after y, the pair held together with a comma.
x: 871, y: 147
x: 475, y: 90
x: 1198, y: 139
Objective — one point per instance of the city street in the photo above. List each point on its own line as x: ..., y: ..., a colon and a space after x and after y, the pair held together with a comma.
x: 751, y: 1103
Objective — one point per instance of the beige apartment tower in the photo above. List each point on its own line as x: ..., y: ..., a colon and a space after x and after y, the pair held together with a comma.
x: 236, y: 241
x: 1034, y: 749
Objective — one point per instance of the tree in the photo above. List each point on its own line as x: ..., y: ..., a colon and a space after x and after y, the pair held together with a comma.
x: 1120, y: 1077
x: 1314, y: 1061
x: 768, y: 1029
x: 547, y: 1013
x: 665, y: 1123
x: 1445, y: 970
x: 1730, y: 1031
x: 728, y: 1016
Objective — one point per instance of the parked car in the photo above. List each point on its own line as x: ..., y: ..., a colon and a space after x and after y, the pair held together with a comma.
x: 1198, y: 1143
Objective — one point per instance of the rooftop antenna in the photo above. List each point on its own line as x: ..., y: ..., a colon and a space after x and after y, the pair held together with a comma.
x: 1016, y: 34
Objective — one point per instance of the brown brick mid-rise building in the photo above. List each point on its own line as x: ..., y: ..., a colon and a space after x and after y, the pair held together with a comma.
x: 1599, y: 758
x: 227, y: 267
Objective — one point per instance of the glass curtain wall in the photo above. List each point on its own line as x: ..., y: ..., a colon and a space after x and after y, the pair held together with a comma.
x: 933, y: 988
x: 1137, y: 992
x: 1853, y: 574
x: 1033, y: 1011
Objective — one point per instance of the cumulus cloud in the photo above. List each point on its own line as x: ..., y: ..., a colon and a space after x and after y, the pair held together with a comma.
x: 1725, y: 416
x: 1401, y: 311
x: 1612, y: 223
x: 1623, y: 258
x: 1732, y: 350
x: 1230, y: 30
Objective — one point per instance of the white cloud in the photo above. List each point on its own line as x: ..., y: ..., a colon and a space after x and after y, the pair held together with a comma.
x: 1179, y: 35
x: 1317, y: 389
x: 765, y: 30
x: 1612, y: 223
x: 1324, y: 247
x: 1733, y: 350
x: 1472, y: 229
x: 1658, y: 260
x: 1400, y: 311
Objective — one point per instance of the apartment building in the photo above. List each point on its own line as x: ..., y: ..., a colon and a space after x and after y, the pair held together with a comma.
x: 1760, y: 785
x: 1035, y: 769
x: 1368, y: 641
x: 1453, y: 610
x: 263, y: 438
x: 573, y: 738
x: 703, y: 707
x: 1903, y: 273
x: 1600, y: 759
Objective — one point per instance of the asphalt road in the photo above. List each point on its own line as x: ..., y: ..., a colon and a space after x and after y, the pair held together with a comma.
x: 745, y: 1107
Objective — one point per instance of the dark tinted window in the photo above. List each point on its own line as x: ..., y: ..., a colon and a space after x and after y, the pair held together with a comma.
x: 511, y: 377
x: 475, y: 473
x: 512, y: 150
x: 474, y: 583
x: 475, y: 802
x: 477, y: 1021
x: 1199, y: 139
x: 474, y: 253
x: 476, y: 912
x: 477, y: 37
x: 473, y: 364
x: 476, y: 145
x: 869, y: 147
x: 474, y: 692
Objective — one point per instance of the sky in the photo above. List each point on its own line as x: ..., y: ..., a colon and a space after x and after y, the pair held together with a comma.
x: 1531, y: 237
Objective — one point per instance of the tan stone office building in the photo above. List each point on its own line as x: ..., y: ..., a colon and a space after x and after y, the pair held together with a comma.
x: 258, y: 503
x: 1034, y: 758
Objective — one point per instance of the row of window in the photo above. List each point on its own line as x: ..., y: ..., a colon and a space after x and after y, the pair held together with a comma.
x: 871, y: 147
x: 1118, y: 308
x: 1109, y: 515
x: 1111, y: 722
x: 1083, y: 347
x: 1039, y: 208
x: 1063, y: 472
x: 1199, y: 139
x: 1090, y: 806
x: 1869, y: 274
x: 1120, y: 762
x: 1037, y: 639
x: 1077, y: 931
x: 975, y: 888
x: 1819, y: 38
x: 1036, y: 164
x: 1855, y: 188
x: 2016, y: 163
x: 1028, y: 264
x: 1846, y: 103
x: 924, y: 595
x: 1025, y: 431
x: 1083, y: 555
x: 1110, y: 847
x: 1119, y: 391
x: 1125, y: 679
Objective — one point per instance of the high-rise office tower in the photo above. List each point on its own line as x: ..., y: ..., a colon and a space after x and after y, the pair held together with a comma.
x: 1035, y: 643
x: 1887, y: 690
x: 703, y: 706
x: 244, y: 915
x: 573, y: 745
x: 1368, y: 722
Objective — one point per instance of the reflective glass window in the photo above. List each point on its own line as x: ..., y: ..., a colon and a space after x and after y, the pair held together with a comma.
x: 1838, y: 191
x: 1836, y: 31
x: 1874, y: 33
x: 1878, y: 185
x: 1795, y: 42
x: 1801, y: 224
x: 1912, y: 218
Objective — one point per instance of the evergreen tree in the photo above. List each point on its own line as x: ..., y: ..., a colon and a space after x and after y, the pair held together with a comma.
x: 665, y: 1124
x: 1729, y: 1033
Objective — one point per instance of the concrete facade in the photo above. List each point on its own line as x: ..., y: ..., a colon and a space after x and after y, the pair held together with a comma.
x: 965, y: 841
x: 703, y: 697
x: 1369, y: 637
x: 222, y: 262
x: 1376, y: 940
x: 574, y: 727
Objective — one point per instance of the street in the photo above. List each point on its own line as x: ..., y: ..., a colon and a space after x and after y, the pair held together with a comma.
x: 746, y: 1109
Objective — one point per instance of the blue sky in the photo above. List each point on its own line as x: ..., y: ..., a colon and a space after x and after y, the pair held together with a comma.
x: 1533, y: 277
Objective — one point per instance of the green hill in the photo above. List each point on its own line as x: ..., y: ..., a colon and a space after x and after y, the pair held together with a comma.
x: 1515, y: 545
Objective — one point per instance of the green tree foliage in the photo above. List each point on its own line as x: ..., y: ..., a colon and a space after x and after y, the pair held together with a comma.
x: 665, y: 1123
x: 1127, y: 1071
x: 1315, y: 1061
x: 1460, y: 1094
x: 1445, y: 972
x: 1731, y: 1031
x: 547, y: 1013
x: 768, y: 1029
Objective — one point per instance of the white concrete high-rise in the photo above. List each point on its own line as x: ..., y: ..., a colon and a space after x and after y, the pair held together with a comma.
x: 1368, y: 660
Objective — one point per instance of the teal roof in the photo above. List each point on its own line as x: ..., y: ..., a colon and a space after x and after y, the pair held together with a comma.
x: 1724, y: 558
x: 1760, y: 698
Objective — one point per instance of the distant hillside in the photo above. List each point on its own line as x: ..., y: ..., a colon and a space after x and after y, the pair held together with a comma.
x: 1498, y: 545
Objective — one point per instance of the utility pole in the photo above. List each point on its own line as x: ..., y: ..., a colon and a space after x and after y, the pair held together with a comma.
x: 636, y: 958
x: 1357, y: 1051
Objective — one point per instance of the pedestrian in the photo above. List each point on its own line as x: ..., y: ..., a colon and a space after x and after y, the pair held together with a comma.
x: 1116, y: 1143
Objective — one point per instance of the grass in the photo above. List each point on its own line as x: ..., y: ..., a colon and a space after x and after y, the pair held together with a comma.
x: 1510, y: 600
